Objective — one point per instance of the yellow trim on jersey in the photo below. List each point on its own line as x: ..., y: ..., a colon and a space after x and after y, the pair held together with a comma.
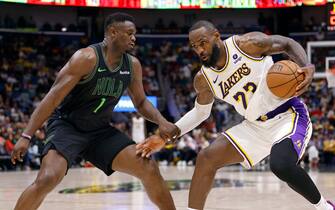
x: 246, y: 156
x: 245, y: 54
x: 208, y: 81
x: 293, y: 120
x: 227, y: 60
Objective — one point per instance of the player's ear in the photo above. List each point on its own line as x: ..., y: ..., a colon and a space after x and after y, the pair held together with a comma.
x: 112, y: 31
x: 217, y: 35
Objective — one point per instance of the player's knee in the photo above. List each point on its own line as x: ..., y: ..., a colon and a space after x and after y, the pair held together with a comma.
x: 149, y: 169
x: 47, y: 180
x: 204, y: 159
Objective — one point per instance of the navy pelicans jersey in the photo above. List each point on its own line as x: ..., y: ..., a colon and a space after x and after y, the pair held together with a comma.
x: 89, y: 106
x: 241, y: 81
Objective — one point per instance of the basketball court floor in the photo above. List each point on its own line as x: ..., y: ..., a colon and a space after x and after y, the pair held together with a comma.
x: 234, y: 189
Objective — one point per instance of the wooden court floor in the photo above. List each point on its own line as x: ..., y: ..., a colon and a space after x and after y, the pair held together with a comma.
x: 235, y: 189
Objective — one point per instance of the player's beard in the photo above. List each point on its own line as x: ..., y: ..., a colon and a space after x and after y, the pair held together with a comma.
x: 214, y: 57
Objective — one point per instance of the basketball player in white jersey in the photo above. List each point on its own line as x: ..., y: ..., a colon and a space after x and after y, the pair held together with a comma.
x: 234, y: 71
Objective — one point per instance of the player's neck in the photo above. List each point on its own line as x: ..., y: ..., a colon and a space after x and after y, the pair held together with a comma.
x: 113, y: 55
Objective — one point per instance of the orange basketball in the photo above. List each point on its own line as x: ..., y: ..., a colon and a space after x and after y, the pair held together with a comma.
x: 283, y: 78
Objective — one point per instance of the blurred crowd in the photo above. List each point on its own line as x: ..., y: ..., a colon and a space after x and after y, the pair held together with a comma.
x: 29, y: 24
x: 263, y: 22
x: 29, y: 65
x: 321, y: 104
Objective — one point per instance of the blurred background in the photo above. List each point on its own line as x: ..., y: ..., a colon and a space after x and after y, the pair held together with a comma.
x: 37, y: 37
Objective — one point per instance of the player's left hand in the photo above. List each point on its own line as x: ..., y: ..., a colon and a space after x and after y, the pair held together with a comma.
x: 150, y: 145
x: 308, y: 72
x: 168, y: 131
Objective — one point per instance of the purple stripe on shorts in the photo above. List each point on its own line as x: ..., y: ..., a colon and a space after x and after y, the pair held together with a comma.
x: 301, y: 126
x: 301, y: 122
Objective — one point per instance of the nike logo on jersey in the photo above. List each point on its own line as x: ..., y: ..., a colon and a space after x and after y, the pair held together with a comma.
x: 216, y: 79
x: 101, y: 70
x: 124, y: 72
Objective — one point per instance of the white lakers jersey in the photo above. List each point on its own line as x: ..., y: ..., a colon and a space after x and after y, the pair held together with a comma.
x: 241, y: 82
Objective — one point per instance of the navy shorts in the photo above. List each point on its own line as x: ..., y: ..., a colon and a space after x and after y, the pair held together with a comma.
x: 99, y: 147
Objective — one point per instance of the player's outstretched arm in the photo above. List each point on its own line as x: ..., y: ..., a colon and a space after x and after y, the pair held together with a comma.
x: 145, y: 108
x: 258, y: 44
x: 202, y: 107
x: 80, y: 64
x: 189, y: 121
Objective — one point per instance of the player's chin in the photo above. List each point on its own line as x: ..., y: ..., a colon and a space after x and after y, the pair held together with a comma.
x: 129, y: 50
x: 131, y: 46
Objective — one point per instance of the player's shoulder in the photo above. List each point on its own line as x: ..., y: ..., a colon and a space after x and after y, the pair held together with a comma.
x: 200, y: 81
x: 85, y: 55
x: 83, y: 61
x: 199, y: 76
x: 253, y: 43
x: 250, y: 36
x: 135, y: 62
x: 133, y: 58
x: 254, y: 38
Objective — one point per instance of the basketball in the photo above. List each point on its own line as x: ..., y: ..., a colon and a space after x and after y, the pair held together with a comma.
x: 283, y: 78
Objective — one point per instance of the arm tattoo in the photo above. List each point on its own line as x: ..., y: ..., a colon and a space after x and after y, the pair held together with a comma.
x: 259, y: 43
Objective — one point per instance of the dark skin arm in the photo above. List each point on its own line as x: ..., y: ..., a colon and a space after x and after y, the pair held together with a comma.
x: 204, y: 96
x: 167, y: 130
x: 258, y: 44
x: 80, y: 65
x: 204, y: 93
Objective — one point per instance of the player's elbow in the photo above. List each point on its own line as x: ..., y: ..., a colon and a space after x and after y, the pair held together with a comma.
x: 139, y: 105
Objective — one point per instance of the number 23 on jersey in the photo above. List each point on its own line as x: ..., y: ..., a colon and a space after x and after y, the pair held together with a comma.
x: 241, y: 96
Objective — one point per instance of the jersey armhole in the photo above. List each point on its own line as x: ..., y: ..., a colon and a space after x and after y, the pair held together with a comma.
x: 130, y: 62
x: 91, y: 75
x: 208, y: 81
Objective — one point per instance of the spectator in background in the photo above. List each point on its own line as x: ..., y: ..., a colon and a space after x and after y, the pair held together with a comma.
x: 138, y: 128
x: 313, y: 155
x: 187, y: 147
x: 35, y: 150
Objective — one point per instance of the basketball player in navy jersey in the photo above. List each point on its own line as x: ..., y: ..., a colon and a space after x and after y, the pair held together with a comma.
x: 234, y: 71
x: 79, y: 107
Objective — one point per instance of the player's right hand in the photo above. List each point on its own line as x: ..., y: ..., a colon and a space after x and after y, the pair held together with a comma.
x: 308, y: 71
x: 20, y: 150
x: 150, y: 145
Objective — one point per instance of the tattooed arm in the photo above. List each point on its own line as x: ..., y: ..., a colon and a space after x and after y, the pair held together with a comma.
x: 258, y: 44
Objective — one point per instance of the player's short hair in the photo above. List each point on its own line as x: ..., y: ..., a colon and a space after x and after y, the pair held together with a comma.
x: 116, y: 18
x: 202, y: 23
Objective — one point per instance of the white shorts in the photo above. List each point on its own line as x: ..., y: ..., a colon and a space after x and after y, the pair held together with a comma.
x: 254, y: 140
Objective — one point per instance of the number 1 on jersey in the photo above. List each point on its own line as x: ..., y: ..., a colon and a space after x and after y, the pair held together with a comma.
x: 102, y: 102
x: 240, y: 96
